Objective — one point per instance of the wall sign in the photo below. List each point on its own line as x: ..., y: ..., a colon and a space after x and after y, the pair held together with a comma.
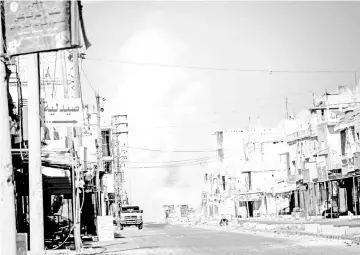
x: 39, y: 26
x: 66, y: 112
x: 105, y: 226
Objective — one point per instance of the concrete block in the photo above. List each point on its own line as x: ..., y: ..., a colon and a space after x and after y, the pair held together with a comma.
x: 327, y: 229
x: 60, y: 252
x: 270, y: 227
x: 352, y: 231
x: 52, y: 252
x: 312, y: 228
x: 261, y: 226
x: 331, y: 230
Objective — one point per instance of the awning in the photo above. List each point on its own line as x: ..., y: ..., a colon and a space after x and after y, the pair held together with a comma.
x: 250, y: 196
x: 55, y: 159
x: 56, y: 181
x: 285, y: 189
x: 347, y: 120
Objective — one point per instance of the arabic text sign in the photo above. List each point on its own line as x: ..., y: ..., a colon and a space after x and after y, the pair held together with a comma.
x: 105, y: 226
x: 66, y: 112
x: 37, y: 26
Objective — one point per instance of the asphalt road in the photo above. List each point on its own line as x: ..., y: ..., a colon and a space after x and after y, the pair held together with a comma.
x: 170, y: 239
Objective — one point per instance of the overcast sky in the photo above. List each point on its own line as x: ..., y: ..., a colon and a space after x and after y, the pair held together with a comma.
x: 178, y: 108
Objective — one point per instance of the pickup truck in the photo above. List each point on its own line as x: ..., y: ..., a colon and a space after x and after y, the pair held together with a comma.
x: 131, y: 216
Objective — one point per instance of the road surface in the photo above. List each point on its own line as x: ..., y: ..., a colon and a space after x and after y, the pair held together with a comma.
x: 170, y: 239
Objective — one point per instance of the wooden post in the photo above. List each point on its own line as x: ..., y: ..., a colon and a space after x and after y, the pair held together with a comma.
x: 35, y: 172
x: 7, y: 199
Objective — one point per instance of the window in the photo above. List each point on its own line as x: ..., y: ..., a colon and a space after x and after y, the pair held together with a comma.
x: 107, y: 166
x: 343, y: 141
x: 105, y: 136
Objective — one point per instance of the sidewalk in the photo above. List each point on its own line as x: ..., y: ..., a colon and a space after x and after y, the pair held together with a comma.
x: 340, y: 222
x: 342, y: 228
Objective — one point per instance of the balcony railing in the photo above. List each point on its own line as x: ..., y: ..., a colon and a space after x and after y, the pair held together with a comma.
x: 301, y: 134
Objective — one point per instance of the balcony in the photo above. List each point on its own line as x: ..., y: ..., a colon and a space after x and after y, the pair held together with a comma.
x: 301, y: 134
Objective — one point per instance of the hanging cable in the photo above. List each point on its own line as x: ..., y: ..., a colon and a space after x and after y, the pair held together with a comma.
x: 158, y: 150
x: 82, y: 69
x: 179, y: 165
x: 222, y: 69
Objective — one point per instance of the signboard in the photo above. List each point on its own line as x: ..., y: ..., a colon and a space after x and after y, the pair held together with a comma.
x: 66, y: 112
x: 249, y: 197
x: 57, y: 75
x: 357, y: 160
x: 105, y: 226
x: 108, y: 182
x: 306, y: 175
x: 321, y: 169
x: 21, y: 244
x: 39, y: 26
x: 348, y: 165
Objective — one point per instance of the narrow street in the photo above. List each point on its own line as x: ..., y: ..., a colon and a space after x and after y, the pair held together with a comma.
x: 170, y: 239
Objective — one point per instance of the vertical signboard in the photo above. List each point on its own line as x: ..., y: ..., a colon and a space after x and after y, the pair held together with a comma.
x: 348, y: 165
x: 39, y: 26
x: 105, y: 228
x: 21, y: 244
x: 321, y: 169
x: 306, y: 175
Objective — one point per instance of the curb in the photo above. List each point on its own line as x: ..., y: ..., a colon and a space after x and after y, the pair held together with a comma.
x: 272, y: 229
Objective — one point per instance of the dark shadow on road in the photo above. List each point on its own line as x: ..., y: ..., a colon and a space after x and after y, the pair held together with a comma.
x: 105, y: 251
x: 106, y: 245
x: 156, y: 225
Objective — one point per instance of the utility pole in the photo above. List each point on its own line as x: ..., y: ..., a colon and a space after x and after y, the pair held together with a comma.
x: 120, y: 156
x: 78, y: 144
x: 99, y: 155
x: 7, y: 199
x: 35, y: 172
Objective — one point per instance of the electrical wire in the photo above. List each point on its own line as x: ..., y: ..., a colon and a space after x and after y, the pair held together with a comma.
x: 53, y: 90
x: 177, y: 165
x: 82, y: 69
x: 175, y: 151
x: 171, y: 161
x: 77, y: 219
x: 221, y: 69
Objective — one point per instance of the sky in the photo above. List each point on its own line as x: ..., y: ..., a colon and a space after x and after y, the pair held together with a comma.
x: 179, y: 108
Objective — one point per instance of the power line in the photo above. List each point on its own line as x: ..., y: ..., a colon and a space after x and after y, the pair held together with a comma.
x: 221, y: 69
x: 158, y: 150
x: 171, y: 161
x: 175, y: 165
x: 82, y: 69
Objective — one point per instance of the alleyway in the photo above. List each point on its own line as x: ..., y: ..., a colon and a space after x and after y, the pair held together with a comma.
x: 166, y: 239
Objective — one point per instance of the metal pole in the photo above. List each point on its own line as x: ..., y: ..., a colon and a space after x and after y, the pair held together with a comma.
x: 99, y: 155
x: 7, y: 204
x: 331, y: 201
x: 78, y: 144
x: 35, y: 173
x: 355, y: 195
